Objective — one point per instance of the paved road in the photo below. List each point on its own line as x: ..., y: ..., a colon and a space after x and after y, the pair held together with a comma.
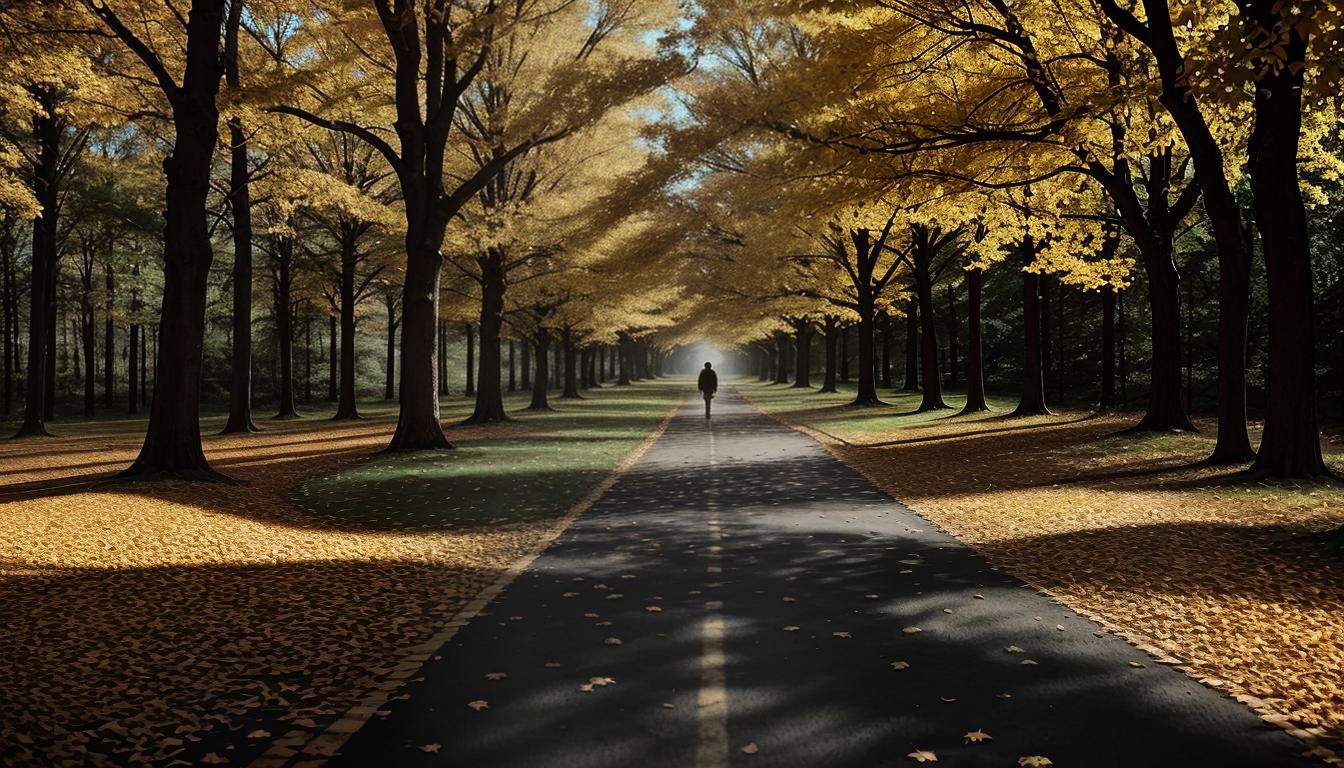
x: 742, y: 588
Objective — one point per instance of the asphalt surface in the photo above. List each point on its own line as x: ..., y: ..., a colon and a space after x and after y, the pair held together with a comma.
x: 706, y: 590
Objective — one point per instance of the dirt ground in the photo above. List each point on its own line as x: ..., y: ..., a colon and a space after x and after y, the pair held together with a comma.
x: 1225, y: 575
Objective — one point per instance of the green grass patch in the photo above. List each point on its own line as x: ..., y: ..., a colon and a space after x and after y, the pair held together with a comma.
x: 511, y: 478
x: 833, y: 412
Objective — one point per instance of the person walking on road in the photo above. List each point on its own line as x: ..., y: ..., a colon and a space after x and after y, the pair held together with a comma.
x: 708, y: 385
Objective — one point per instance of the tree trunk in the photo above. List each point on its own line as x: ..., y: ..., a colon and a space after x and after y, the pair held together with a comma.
x: 333, y: 358
x: 911, y: 346
x: 347, y: 405
x: 513, y: 377
x: 802, y: 335
x: 1033, y: 378
x: 525, y: 368
x: 542, y: 342
x: 623, y: 350
x: 133, y: 351
x: 1122, y: 361
x: 844, y: 355
x: 240, y: 204
x: 1291, y: 443
x: 1047, y: 331
x: 1107, y: 399
x: 831, y: 330
x: 952, y: 357
x: 782, y: 358
x: 441, y: 357
x: 932, y: 399
x: 109, y: 336
x: 470, y: 333
x: 867, y: 394
x: 8, y: 361
x: 390, y: 367
x: 173, y: 438
x: 418, y: 426
x: 489, y: 392
x: 886, y: 350
x: 88, y: 336
x: 47, y: 129
x: 975, y: 366
x: 308, y: 358
x: 284, y: 326
x: 571, y: 391
x: 1165, y: 410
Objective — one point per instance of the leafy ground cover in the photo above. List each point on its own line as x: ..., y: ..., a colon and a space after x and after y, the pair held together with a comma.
x: 144, y: 620
x: 1214, y: 571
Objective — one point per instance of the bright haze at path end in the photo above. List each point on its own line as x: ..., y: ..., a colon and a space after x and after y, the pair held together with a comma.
x: 691, y: 358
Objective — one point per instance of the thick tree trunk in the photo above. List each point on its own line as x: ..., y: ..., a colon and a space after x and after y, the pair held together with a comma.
x: 441, y: 357
x: 133, y: 352
x: 932, y: 399
x: 347, y: 406
x: 1122, y: 360
x: 8, y: 310
x: 831, y: 330
x: 88, y: 336
x: 1291, y: 443
x: 284, y: 326
x: 173, y: 438
x: 571, y: 391
x: 802, y: 337
x: 240, y: 380
x: 1033, y: 374
x: 1107, y: 399
x: 867, y: 394
x: 541, y: 341
x: 47, y: 129
x: 308, y: 359
x: 489, y: 389
x: 418, y: 426
x: 911, y: 346
x: 975, y: 366
x: 1165, y: 410
x: 1047, y: 330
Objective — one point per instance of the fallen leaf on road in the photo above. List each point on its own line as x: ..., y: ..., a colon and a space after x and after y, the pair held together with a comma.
x: 791, y: 628
x: 1137, y: 664
x: 479, y: 704
x: 1015, y: 649
x: 213, y: 758
x: 259, y: 734
x: 900, y: 665
x: 977, y: 736
x: 1029, y: 662
x: 751, y: 749
x: 653, y: 609
x: 495, y: 675
x: 923, y: 756
x: 1033, y: 761
x: 612, y: 641
x: 430, y: 748
x: 840, y: 634
x: 601, y: 682
x: 911, y: 630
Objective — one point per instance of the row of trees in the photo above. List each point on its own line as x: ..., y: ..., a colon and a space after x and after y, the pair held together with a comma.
x: 460, y: 163
x: 854, y: 156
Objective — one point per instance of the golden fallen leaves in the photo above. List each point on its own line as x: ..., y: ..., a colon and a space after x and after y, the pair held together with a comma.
x: 1034, y: 761
x: 923, y: 756
x: 842, y: 635
x: 1220, y: 573
x: 478, y: 705
x: 912, y: 630
x: 430, y: 748
x: 496, y: 675
x: 596, y: 682
x: 900, y: 665
x: 750, y: 748
x: 791, y: 628
x: 977, y: 736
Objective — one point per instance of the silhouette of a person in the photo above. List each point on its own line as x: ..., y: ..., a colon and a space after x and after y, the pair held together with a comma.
x: 708, y: 385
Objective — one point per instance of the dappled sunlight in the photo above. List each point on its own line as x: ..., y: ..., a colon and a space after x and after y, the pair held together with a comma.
x: 1214, y: 568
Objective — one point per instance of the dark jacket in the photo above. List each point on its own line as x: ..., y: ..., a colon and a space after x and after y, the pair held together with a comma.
x: 709, y: 382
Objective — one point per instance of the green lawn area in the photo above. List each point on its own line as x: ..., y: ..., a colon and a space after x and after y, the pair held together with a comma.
x: 530, y: 470
x: 832, y: 413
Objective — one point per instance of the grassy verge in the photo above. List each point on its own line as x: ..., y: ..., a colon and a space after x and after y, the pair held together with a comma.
x: 1221, y: 571
x: 529, y: 470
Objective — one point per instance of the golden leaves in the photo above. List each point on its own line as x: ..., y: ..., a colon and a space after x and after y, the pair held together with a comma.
x: 923, y: 756
x: 1034, y: 761
x: 899, y: 665
x: 977, y: 736
x: 478, y: 705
